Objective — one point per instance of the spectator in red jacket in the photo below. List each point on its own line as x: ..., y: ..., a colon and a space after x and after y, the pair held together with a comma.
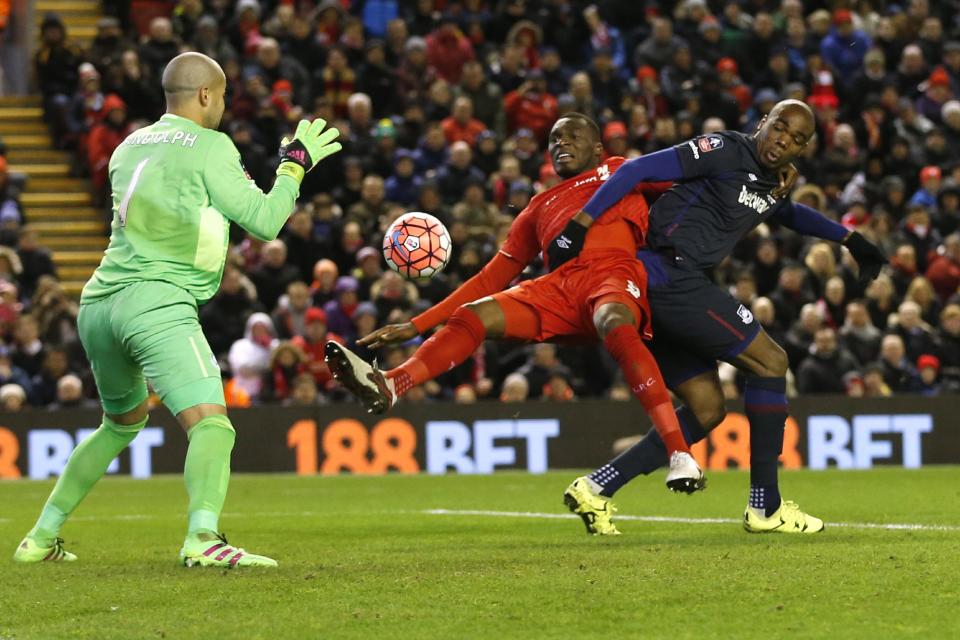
x: 448, y: 50
x: 461, y: 125
x: 944, y: 270
x: 312, y: 344
x: 104, y: 138
x: 531, y: 107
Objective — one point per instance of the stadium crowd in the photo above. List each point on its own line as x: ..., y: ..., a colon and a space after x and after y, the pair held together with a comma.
x: 445, y: 106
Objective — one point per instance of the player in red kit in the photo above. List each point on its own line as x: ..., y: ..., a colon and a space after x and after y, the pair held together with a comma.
x: 601, y: 294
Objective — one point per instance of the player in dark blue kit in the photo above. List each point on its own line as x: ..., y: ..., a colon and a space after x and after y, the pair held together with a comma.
x: 723, y: 189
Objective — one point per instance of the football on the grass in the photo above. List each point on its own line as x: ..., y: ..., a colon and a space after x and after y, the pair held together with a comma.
x: 417, y: 245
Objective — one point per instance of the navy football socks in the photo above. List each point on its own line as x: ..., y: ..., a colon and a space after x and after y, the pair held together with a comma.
x: 765, y: 402
x: 646, y: 456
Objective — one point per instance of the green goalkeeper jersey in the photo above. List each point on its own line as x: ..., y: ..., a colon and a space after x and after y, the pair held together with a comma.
x: 176, y: 185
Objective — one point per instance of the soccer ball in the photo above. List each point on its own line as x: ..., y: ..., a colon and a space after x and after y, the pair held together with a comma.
x: 417, y: 245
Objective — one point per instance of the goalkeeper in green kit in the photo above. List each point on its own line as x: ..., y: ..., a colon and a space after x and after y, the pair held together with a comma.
x: 176, y: 186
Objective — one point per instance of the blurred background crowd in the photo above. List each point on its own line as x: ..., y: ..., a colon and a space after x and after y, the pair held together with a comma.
x: 444, y: 107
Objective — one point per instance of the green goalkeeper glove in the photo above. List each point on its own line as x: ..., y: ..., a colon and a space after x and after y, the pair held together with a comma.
x: 310, y: 145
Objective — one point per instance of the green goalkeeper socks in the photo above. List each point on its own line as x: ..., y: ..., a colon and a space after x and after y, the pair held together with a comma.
x: 87, y: 464
x: 207, y: 472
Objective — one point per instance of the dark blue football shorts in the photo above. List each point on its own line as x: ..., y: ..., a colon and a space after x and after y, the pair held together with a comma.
x: 695, y: 322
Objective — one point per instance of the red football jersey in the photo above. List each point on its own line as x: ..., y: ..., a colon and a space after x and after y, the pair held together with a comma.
x: 549, y: 212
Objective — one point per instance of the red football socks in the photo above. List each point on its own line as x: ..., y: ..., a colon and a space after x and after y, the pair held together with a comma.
x: 643, y: 375
x: 461, y: 336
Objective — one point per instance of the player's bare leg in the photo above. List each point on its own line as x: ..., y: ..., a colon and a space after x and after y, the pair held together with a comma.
x: 206, y: 473
x: 765, y: 402
x: 463, y: 333
x: 87, y: 464
x: 616, y: 326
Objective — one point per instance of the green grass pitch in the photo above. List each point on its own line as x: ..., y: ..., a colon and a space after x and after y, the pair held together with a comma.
x: 361, y: 557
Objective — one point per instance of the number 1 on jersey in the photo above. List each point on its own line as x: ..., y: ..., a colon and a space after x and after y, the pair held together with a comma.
x: 125, y: 203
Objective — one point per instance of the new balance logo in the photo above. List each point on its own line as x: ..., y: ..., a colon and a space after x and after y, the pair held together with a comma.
x: 603, y: 172
x: 563, y: 242
x: 633, y: 289
x: 753, y: 200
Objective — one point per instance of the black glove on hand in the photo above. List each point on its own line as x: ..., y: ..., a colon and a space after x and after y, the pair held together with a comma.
x: 868, y: 256
x: 567, y: 245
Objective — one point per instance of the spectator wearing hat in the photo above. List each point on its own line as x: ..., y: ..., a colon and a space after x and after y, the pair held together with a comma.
x: 252, y: 154
x: 377, y: 80
x: 928, y: 367
x: 249, y: 357
x: 312, y: 343
x: 486, y: 153
x: 403, y: 185
x: 844, y: 47
x: 918, y: 229
x: 104, y: 138
x: 107, y: 45
x: 778, y: 73
x: 531, y: 107
x: 943, y: 271
x: 616, y: 140
x: 12, y: 398
x: 10, y: 208
x: 708, y: 41
x: 937, y: 93
x: 339, y: 311
x: 369, y: 269
x: 448, y: 49
x: 606, y: 80
x: 555, y: 73
x: 415, y: 75
x: 867, y: 81
x: 209, y: 41
x: 485, y: 96
x: 365, y: 321
x: 716, y: 102
x: 56, y: 63
x: 930, y: 181
x: 460, y: 125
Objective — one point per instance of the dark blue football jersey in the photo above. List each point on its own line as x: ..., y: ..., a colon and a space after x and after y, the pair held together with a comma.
x: 724, y: 194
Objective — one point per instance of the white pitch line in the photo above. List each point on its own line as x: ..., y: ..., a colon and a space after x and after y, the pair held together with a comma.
x: 670, y: 519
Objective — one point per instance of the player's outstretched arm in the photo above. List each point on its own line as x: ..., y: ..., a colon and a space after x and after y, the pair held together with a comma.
x: 810, y: 222
x: 238, y: 198
x: 493, y: 277
x: 662, y: 166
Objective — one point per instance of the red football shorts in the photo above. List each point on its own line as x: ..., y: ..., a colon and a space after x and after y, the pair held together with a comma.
x: 563, y: 302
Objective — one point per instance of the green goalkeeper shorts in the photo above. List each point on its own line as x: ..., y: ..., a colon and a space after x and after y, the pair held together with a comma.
x: 149, y: 331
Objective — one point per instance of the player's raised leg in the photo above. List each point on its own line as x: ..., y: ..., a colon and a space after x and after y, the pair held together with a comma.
x: 463, y: 333
x: 765, y: 402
